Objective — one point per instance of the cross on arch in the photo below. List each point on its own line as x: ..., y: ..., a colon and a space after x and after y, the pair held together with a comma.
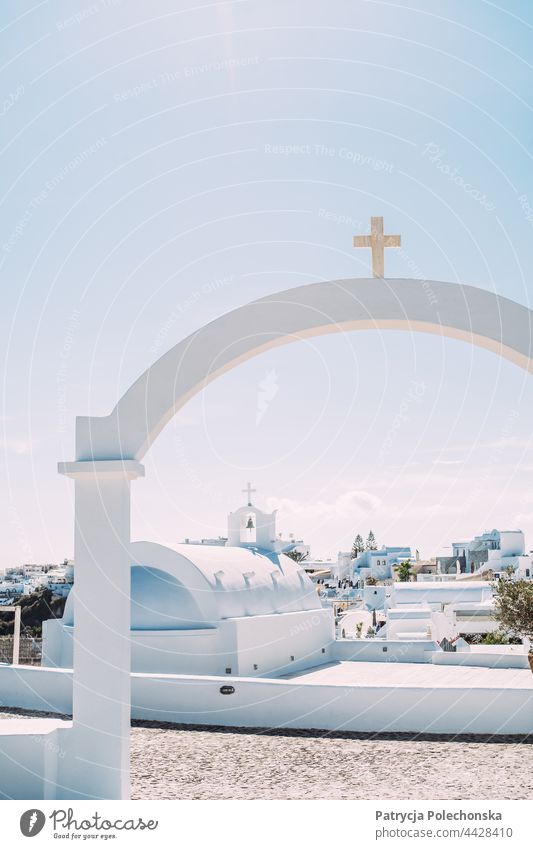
x: 378, y: 241
x: 249, y: 491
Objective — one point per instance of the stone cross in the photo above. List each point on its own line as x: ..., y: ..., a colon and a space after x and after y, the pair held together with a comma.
x: 378, y: 242
x: 249, y: 491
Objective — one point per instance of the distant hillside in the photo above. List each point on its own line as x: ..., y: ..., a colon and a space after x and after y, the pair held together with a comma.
x: 35, y: 608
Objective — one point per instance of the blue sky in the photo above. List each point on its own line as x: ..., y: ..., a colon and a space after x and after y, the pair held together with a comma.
x: 163, y: 166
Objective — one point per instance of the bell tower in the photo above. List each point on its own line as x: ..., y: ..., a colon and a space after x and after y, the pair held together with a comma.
x: 250, y: 527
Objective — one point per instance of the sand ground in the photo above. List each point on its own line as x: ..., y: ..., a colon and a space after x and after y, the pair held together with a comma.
x: 185, y: 762
x: 173, y: 763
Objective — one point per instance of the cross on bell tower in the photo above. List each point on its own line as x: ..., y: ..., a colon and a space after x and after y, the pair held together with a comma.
x: 378, y: 242
x: 249, y: 491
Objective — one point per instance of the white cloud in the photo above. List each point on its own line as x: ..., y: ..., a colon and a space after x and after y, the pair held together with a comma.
x: 18, y: 446
x: 416, y: 511
x: 350, y: 505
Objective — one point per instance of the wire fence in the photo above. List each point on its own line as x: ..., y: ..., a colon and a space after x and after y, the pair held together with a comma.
x: 30, y: 650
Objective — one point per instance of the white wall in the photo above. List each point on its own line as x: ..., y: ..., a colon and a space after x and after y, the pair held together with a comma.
x: 512, y: 543
x: 29, y: 757
x: 237, y: 644
x: 57, y: 644
x: 276, y: 703
x: 207, y: 651
x: 442, y: 625
x: 524, y: 568
x: 474, y: 625
x: 489, y: 659
x: 398, y: 629
x: 36, y: 688
x: 270, y: 642
x: 266, y: 704
x: 441, y: 592
x: 375, y: 597
x: 386, y: 651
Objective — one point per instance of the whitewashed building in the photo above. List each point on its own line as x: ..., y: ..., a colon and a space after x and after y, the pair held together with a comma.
x: 492, y: 551
x: 381, y: 562
x: 244, y: 608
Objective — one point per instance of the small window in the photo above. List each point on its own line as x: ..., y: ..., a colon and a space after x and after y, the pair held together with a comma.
x: 228, y: 670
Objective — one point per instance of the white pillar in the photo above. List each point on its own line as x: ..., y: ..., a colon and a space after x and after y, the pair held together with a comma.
x: 16, y: 635
x: 97, y: 761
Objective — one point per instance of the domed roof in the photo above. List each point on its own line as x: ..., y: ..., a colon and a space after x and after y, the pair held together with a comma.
x: 195, y: 586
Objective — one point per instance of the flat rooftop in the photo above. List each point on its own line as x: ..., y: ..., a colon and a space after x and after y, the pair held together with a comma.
x: 424, y: 675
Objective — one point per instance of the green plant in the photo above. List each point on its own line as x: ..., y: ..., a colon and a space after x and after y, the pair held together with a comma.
x: 403, y: 571
x: 358, y: 546
x: 514, y: 607
x: 494, y: 638
x: 371, y: 544
x: 297, y: 556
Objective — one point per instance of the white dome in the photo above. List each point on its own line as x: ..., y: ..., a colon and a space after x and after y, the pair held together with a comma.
x: 195, y: 586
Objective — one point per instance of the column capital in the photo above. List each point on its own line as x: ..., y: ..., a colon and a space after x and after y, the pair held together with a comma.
x: 102, y: 469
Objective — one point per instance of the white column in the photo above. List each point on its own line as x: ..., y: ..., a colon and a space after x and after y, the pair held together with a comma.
x: 16, y: 635
x: 97, y: 764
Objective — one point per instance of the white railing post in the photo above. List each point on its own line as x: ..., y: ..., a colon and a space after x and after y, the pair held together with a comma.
x: 16, y: 635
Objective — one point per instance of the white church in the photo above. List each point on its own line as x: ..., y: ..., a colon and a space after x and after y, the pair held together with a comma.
x: 239, y: 609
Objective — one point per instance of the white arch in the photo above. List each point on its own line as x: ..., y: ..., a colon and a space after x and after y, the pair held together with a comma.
x: 450, y: 309
x: 108, y: 451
